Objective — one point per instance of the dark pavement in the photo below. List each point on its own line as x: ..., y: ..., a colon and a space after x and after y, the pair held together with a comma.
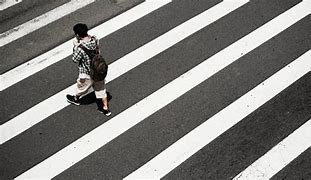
x: 223, y: 158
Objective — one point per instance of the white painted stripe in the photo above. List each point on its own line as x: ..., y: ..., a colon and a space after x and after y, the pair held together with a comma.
x: 89, y: 143
x: 64, y: 50
x: 103, y: 134
x: 188, y: 145
x: 55, y: 103
x: 42, y: 20
x: 4, y: 4
x: 280, y: 155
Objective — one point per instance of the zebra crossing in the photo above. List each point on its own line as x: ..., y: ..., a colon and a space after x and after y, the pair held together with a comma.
x: 212, y: 128
x: 38, y: 22
x: 153, y: 133
x: 6, y: 4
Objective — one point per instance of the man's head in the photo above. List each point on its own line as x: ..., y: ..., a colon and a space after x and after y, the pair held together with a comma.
x: 80, y: 30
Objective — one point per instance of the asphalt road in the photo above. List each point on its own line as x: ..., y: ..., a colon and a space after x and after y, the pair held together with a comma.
x: 224, y: 157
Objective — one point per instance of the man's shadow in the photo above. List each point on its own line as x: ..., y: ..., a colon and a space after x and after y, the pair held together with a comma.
x: 91, y: 98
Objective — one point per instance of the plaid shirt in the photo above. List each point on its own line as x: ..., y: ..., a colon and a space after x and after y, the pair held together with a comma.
x: 80, y: 57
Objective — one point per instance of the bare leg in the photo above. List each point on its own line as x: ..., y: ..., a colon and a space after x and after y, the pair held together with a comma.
x: 106, y: 107
x: 105, y: 102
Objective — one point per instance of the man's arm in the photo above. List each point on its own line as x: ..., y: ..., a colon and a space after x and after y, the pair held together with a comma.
x: 77, y: 54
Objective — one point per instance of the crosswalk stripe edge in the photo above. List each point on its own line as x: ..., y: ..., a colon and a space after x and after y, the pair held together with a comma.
x: 280, y: 155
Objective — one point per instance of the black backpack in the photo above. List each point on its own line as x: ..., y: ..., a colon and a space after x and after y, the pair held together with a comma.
x: 98, y: 66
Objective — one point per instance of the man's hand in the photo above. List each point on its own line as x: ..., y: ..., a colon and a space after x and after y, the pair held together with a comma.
x: 75, y: 42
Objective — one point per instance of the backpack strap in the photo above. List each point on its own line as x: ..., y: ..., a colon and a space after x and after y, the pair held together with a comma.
x: 96, y: 42
x: 90, y: 53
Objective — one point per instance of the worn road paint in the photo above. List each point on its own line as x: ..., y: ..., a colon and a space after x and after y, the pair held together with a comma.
x: 279, y: 156
x: 4, y: 4
x: 40, y: 21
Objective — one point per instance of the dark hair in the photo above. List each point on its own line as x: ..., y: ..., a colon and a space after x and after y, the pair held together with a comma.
x: 80, y: 30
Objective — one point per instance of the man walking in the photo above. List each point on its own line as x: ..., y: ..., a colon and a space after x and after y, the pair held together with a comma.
x: 82, y: 43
